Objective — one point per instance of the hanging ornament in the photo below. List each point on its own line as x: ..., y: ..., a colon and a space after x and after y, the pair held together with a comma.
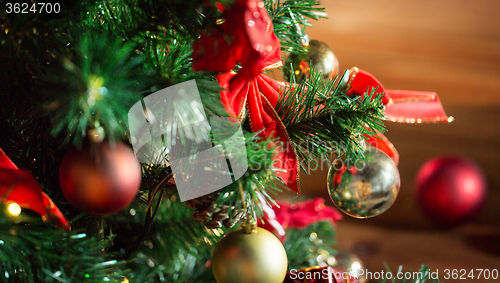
x: 450, y: 190
x: 101, y: 178
x: 319, y: 54
x: 248, y: 255
x: 365, y: 188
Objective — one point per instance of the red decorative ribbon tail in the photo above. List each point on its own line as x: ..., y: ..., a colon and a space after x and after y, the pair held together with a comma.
x: 415, y: 107
x: 404, y: 106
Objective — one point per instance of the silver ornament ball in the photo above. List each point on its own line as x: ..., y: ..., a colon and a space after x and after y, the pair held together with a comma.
x: 365, y: 188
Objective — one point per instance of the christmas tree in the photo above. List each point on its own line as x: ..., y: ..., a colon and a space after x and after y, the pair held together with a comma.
x: 136, y: 134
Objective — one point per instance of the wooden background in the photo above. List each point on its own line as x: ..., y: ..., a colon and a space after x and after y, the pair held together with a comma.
x: 448, y: 46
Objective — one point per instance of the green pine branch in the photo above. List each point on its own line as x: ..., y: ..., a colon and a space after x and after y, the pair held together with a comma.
x: 304, y: 246
x: 176, y: 248
x: 323, y: 122
x: 34, y: 252
x: 290, y: 17
x: 97, y: 88
x: 145, y: 19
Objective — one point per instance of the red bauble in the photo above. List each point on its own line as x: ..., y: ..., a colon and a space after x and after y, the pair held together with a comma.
x: 101, y: 178
x: 450, y: 190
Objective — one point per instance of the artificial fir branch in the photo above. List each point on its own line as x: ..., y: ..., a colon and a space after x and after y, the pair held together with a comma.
x: 290, y: 17
x: 35, y: 252
x: 322, y: 121
x: 98, y: 89
x: 304, y: 246
x: 172, y: 62
x: 148, y: 18
x: 171, y: 251
x: 254, y: 187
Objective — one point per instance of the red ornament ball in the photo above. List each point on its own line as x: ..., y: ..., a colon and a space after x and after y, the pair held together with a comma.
x: 101, y: 178
x: 450, y: 190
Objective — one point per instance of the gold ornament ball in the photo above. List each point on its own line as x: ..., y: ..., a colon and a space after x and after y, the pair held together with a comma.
x: 323, y: 60
x: 255, y: 257
x: 364, y: 188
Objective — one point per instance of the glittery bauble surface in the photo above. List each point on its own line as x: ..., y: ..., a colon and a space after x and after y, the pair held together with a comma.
x: 249, y: 258
x: 100, y: 179
x: 323, y: 60
x: 450, y: 190
x: 367, y: 188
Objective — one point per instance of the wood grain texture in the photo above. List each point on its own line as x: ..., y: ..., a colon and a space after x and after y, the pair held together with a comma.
x: 448, y: 46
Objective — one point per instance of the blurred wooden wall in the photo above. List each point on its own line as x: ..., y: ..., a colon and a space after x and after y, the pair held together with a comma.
x: 451, y: 47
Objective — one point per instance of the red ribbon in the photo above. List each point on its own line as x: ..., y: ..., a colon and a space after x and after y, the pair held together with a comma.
x: 247, y: 36
x: 404, y: 106
x: 19, y: 186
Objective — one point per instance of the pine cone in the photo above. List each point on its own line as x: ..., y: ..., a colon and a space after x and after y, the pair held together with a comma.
x: 206, y: 211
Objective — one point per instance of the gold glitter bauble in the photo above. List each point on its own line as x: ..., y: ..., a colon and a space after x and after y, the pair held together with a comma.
x: 255, y: 257
x: 319, y: 54
x: 364, y: 188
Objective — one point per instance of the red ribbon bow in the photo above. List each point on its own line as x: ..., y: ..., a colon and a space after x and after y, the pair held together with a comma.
x: 251, y: 42
x: 19, y: 186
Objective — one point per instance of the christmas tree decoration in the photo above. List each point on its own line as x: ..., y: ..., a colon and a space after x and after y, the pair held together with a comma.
x: 244, y: 37
x: 77, y: 70
x: 19, y: 190
x: 249, y: 255
x: 100, y: 178
x: 450, y: 190
x: 365, y: 188
x: 318, y: 56
x: 213, y: 216
x: 258, y: 50
x: 403, y: 106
